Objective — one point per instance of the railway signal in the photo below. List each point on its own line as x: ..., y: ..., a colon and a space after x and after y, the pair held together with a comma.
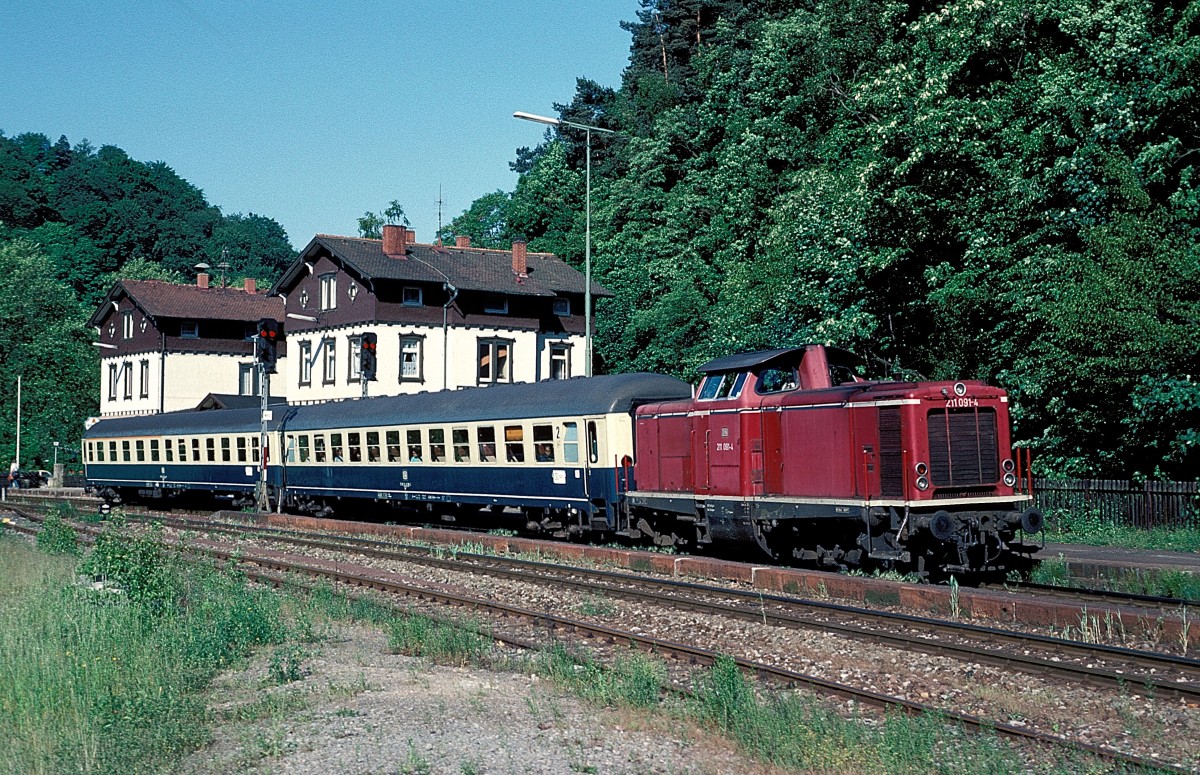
x: 268, y: 343
x: 368, y: 362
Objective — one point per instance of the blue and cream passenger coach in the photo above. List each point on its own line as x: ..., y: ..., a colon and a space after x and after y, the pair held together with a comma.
x: 561, y: 450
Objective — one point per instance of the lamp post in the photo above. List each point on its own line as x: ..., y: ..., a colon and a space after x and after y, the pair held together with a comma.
x: 587, y: 240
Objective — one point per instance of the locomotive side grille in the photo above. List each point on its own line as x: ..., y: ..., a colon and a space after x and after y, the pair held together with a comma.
x: 891, y: 460
x: 962, y: 447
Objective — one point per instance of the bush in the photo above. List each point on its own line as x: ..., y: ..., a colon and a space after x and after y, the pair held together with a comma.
x: 136, y: 564
x: 57, y: 537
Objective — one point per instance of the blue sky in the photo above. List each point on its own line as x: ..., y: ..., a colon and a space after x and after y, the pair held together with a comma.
x: 309, y: 112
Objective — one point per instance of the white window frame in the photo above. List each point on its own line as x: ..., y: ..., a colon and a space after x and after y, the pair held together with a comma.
x: 418, y: 301
x: 562, y: 307
x: 112, y: 381
x: 328, y: 287
x: 189, y: 329
x: 127, y: 325
x: 561, y: 353
x: 414, y: 344
x: 354, y: 365
x: 329, y: 361
x: 306, y: 363
x: 144, y: 378
x: 493, y: 346
x: 247, y: 379
x: 127, y: 372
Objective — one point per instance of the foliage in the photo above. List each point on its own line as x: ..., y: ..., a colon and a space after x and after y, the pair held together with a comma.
x: 370, y: 225
x: 1005, y: 191
x: 1088, y: 527
x: 57, y: 537
x: 443, y: 643
x: 42, y: 338
x: 136, y: 564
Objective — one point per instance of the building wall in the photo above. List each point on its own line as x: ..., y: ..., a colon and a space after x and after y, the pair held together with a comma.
x: 447, y: 360
x: 189, y: 377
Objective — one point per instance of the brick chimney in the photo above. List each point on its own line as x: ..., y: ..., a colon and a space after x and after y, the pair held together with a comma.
x: 462, y: 241
x: 250, y: 285
x: 202, y: 280
x: 395, y: 240
x: 520, y: 262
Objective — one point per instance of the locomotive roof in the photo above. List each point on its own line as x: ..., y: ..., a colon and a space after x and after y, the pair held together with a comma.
x: 579, y: 396
x: 743, y: 361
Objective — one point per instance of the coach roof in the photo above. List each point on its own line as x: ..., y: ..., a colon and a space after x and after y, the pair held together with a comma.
x: 580, y: 396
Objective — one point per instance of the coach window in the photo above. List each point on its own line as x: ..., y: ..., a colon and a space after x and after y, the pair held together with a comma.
x: 154, y: 455
x: 462, y: 445
x: 372, y: 446
x: 125, y: 452
x: 487, y: 444
x: 514, y: 443
x: 253, y: 445
x: 570, y: 442
x: 543, y: 443
x: 392, y: 438
x: 319, y: 448
x: 354, y: 441
x: 195, y: 450
x: 141, y: 451
x: 181, y: 447
x: 210, y: 448
x: 302, y: 446
x: 169, y: 450
x: 413, y: 437
x: 112, y: 451
x: 437, y: 445
x: 99, y: 447
x: 335, y: 448
x: 593, y: 441
x: 226, y: 453
x: 241, y: 449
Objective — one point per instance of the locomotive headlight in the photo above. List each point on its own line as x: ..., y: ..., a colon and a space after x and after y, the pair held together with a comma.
x: 1008, y: 465
x: 1010, y: 479
x: 922, y: 469
x: 960, y: 389
x: 922, y: 483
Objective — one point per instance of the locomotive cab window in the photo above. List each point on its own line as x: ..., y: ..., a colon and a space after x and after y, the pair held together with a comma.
x: 776, y: 380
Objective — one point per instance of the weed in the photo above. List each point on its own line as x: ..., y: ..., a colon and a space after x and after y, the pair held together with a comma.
x: 597, y: 605
x: 445, y: 644
x: 287, y: 665
x: 57, y: 537
x: 136, y: 564
x: 954, y: 604
x: 414, y: 763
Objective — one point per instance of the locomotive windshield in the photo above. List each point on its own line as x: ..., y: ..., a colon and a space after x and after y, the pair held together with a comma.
x: 722, y: 386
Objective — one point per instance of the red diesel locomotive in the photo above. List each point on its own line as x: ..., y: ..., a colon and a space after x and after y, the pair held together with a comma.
x: 790, y: 450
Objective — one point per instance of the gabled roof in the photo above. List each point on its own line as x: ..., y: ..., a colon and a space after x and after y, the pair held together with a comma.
x: 467, y: 269
x: 752, y: 360
x: 160, y: 299
x: 230, y: 401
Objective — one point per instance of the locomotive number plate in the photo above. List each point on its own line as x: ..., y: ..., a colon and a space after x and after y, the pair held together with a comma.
x: 963, y: 403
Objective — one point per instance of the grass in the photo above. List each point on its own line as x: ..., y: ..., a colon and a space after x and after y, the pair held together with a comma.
x: 1165, y: 582
x: 1088, y: 528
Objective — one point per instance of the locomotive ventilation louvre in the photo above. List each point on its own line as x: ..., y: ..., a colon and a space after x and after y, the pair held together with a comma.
x: 891, y: 459
x: 962, y: 447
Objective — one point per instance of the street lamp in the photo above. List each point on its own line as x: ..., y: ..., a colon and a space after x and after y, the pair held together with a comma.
x: 587, y: 241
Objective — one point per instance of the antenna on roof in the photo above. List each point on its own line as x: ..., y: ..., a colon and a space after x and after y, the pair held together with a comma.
x: 439, y: 231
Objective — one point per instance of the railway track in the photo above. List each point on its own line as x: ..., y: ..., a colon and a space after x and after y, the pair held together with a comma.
x: 776, y: 610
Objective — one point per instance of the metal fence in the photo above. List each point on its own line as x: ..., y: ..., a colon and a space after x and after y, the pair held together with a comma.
x: 1123, y: 502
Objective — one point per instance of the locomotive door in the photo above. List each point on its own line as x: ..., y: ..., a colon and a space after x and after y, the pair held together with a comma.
x: 725, y: 453
x: 701, y: 453
x: 766, y: 452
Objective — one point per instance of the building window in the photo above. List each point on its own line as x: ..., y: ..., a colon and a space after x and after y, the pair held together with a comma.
x: 328, y: 291
x: 247, y: 384
x: 144, y: 379
x: 560, y: 361
x: 189, y: 329
x: 329, y: 373
x: 562, y: 307
x: 354, y: 363
x: 411, y: 297
x: 494, y: 360
x: 112, y: 382
x: 411, y: 360
x: 495, y: 304
x: 306, y: 363
x: 127, y: 325
x: 127, y: 373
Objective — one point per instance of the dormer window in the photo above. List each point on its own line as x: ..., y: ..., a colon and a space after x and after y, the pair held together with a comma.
x: 412, y: 297
x: 494, y: 304
x: 562, y: 307
x: 189, y: 329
